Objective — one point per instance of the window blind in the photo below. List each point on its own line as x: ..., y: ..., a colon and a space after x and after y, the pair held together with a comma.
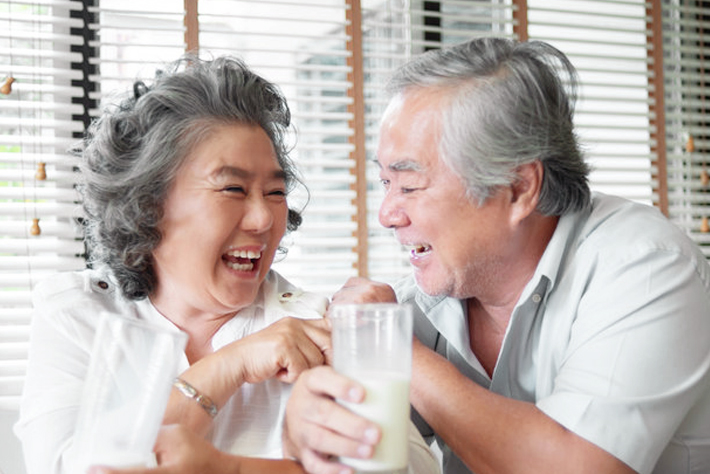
x: 333, y: 76
x: 686, y: 47
x: 302, y: 46
x: 607, y: 41
x: 38, y: 233
x: 132, y: 39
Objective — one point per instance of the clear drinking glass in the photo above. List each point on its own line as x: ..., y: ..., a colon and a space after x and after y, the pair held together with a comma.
x: 372, y: 344
x: 125, y: 394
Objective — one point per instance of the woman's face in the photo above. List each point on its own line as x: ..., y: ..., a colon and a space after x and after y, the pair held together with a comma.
x: 224, y: 218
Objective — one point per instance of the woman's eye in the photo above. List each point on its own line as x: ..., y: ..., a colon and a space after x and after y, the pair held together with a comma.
x: 278, y: 192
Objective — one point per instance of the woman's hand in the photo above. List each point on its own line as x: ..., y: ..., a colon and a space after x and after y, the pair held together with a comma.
x: 180, y: 451
x: 317, y: 428
x: 282, y: 350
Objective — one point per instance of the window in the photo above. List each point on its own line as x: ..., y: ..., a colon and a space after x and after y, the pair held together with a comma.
x: 331, y: 59
x: 686, y: 45
x: 609, y: 48
x: 39, y: 121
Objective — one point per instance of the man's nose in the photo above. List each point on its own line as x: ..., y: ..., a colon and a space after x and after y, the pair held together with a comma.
x: 391, y: 214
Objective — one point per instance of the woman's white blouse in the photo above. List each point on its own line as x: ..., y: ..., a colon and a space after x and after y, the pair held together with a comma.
x: 64, y: 322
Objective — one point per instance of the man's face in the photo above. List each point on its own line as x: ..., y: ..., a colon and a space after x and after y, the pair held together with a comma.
x: 456, y: 245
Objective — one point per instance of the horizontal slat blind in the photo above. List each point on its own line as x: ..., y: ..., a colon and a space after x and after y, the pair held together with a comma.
x: 607, y: 43
x: 393, y: 31
x: 686, y: 46
x: 133, y: 38
x: 302, y: 47
x: 36, y: 174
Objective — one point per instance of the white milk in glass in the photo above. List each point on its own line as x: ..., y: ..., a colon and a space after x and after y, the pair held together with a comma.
x: 387, y: 404
x: 372, y: 344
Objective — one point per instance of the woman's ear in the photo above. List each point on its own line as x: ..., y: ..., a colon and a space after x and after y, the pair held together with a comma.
x: 525, y: 190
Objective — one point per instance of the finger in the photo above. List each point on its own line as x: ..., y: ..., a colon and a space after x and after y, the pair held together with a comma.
x: 334, y: 444
x: 134, y: 470
x: 294, y: 360
x: 327, y: 413
x: 319, y: 332
x: 315, y: 463
x: 326, y: 381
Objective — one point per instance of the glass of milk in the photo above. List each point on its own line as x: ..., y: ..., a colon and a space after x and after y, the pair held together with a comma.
x: 125, y: 393
x: 372, y: 344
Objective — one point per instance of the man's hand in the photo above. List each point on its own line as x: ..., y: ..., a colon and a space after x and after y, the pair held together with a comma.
x: 317, y: 428
x: 362, y: 290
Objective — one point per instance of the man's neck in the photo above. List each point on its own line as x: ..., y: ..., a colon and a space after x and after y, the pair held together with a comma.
x: 489, y: 313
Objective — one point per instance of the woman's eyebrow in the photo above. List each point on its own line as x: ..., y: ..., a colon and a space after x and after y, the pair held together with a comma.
x: 226, y: 172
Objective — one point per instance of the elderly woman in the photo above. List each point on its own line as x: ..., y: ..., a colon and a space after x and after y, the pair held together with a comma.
x: 184, y: 192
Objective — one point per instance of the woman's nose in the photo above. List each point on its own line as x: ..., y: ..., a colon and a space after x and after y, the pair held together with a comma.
x: 259, y: 216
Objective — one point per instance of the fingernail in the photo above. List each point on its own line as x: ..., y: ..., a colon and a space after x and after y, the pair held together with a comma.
x: 364, y: 451
x: 371, y: 435
x: 355, y: 394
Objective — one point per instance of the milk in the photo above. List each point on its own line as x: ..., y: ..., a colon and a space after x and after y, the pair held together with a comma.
x: 387, y: 404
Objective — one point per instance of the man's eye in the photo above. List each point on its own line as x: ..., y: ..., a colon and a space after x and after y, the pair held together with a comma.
x: 408, y: 190
x: 385, y: 183
x: 234, y: 189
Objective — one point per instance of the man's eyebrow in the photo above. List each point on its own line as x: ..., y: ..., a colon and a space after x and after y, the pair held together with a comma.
x: 402, y: 165
x: 236, y: 172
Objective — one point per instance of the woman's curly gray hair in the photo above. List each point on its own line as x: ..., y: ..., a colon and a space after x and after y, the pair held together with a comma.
x: 132, y: 152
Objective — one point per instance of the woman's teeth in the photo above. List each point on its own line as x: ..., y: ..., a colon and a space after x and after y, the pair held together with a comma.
x: 241, y: 267
x: 250, y: 254
x: 242, y: 260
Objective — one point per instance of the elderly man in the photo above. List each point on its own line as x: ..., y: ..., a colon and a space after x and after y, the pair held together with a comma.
x: 557, y: 330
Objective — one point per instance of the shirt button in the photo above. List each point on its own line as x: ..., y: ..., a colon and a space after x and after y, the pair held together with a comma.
x: 536, y: 298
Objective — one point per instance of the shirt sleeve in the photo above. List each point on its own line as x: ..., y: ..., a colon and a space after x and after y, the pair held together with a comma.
x: 421, y: 458
x: 60, y: 345
x: 638, y: 356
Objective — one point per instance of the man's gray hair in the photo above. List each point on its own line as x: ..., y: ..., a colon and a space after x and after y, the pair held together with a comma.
x: 507, y: 106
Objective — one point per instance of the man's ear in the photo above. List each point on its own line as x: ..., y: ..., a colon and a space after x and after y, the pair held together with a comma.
x: 525, y: 190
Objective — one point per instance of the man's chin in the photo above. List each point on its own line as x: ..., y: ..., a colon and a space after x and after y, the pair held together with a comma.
x: 430, y: 286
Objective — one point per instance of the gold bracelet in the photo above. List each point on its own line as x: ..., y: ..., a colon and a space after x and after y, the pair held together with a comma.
x: 192, y: 393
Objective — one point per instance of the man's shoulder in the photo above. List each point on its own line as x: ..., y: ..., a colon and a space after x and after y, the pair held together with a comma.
x: 406, y: 289
x: 621, y: 224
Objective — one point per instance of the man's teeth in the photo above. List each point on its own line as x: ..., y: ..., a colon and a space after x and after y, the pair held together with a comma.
x: 420, y: 249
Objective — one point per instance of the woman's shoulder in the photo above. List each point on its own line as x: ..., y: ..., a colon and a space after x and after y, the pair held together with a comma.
x: 294, y: 299
x: 74, y: 289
